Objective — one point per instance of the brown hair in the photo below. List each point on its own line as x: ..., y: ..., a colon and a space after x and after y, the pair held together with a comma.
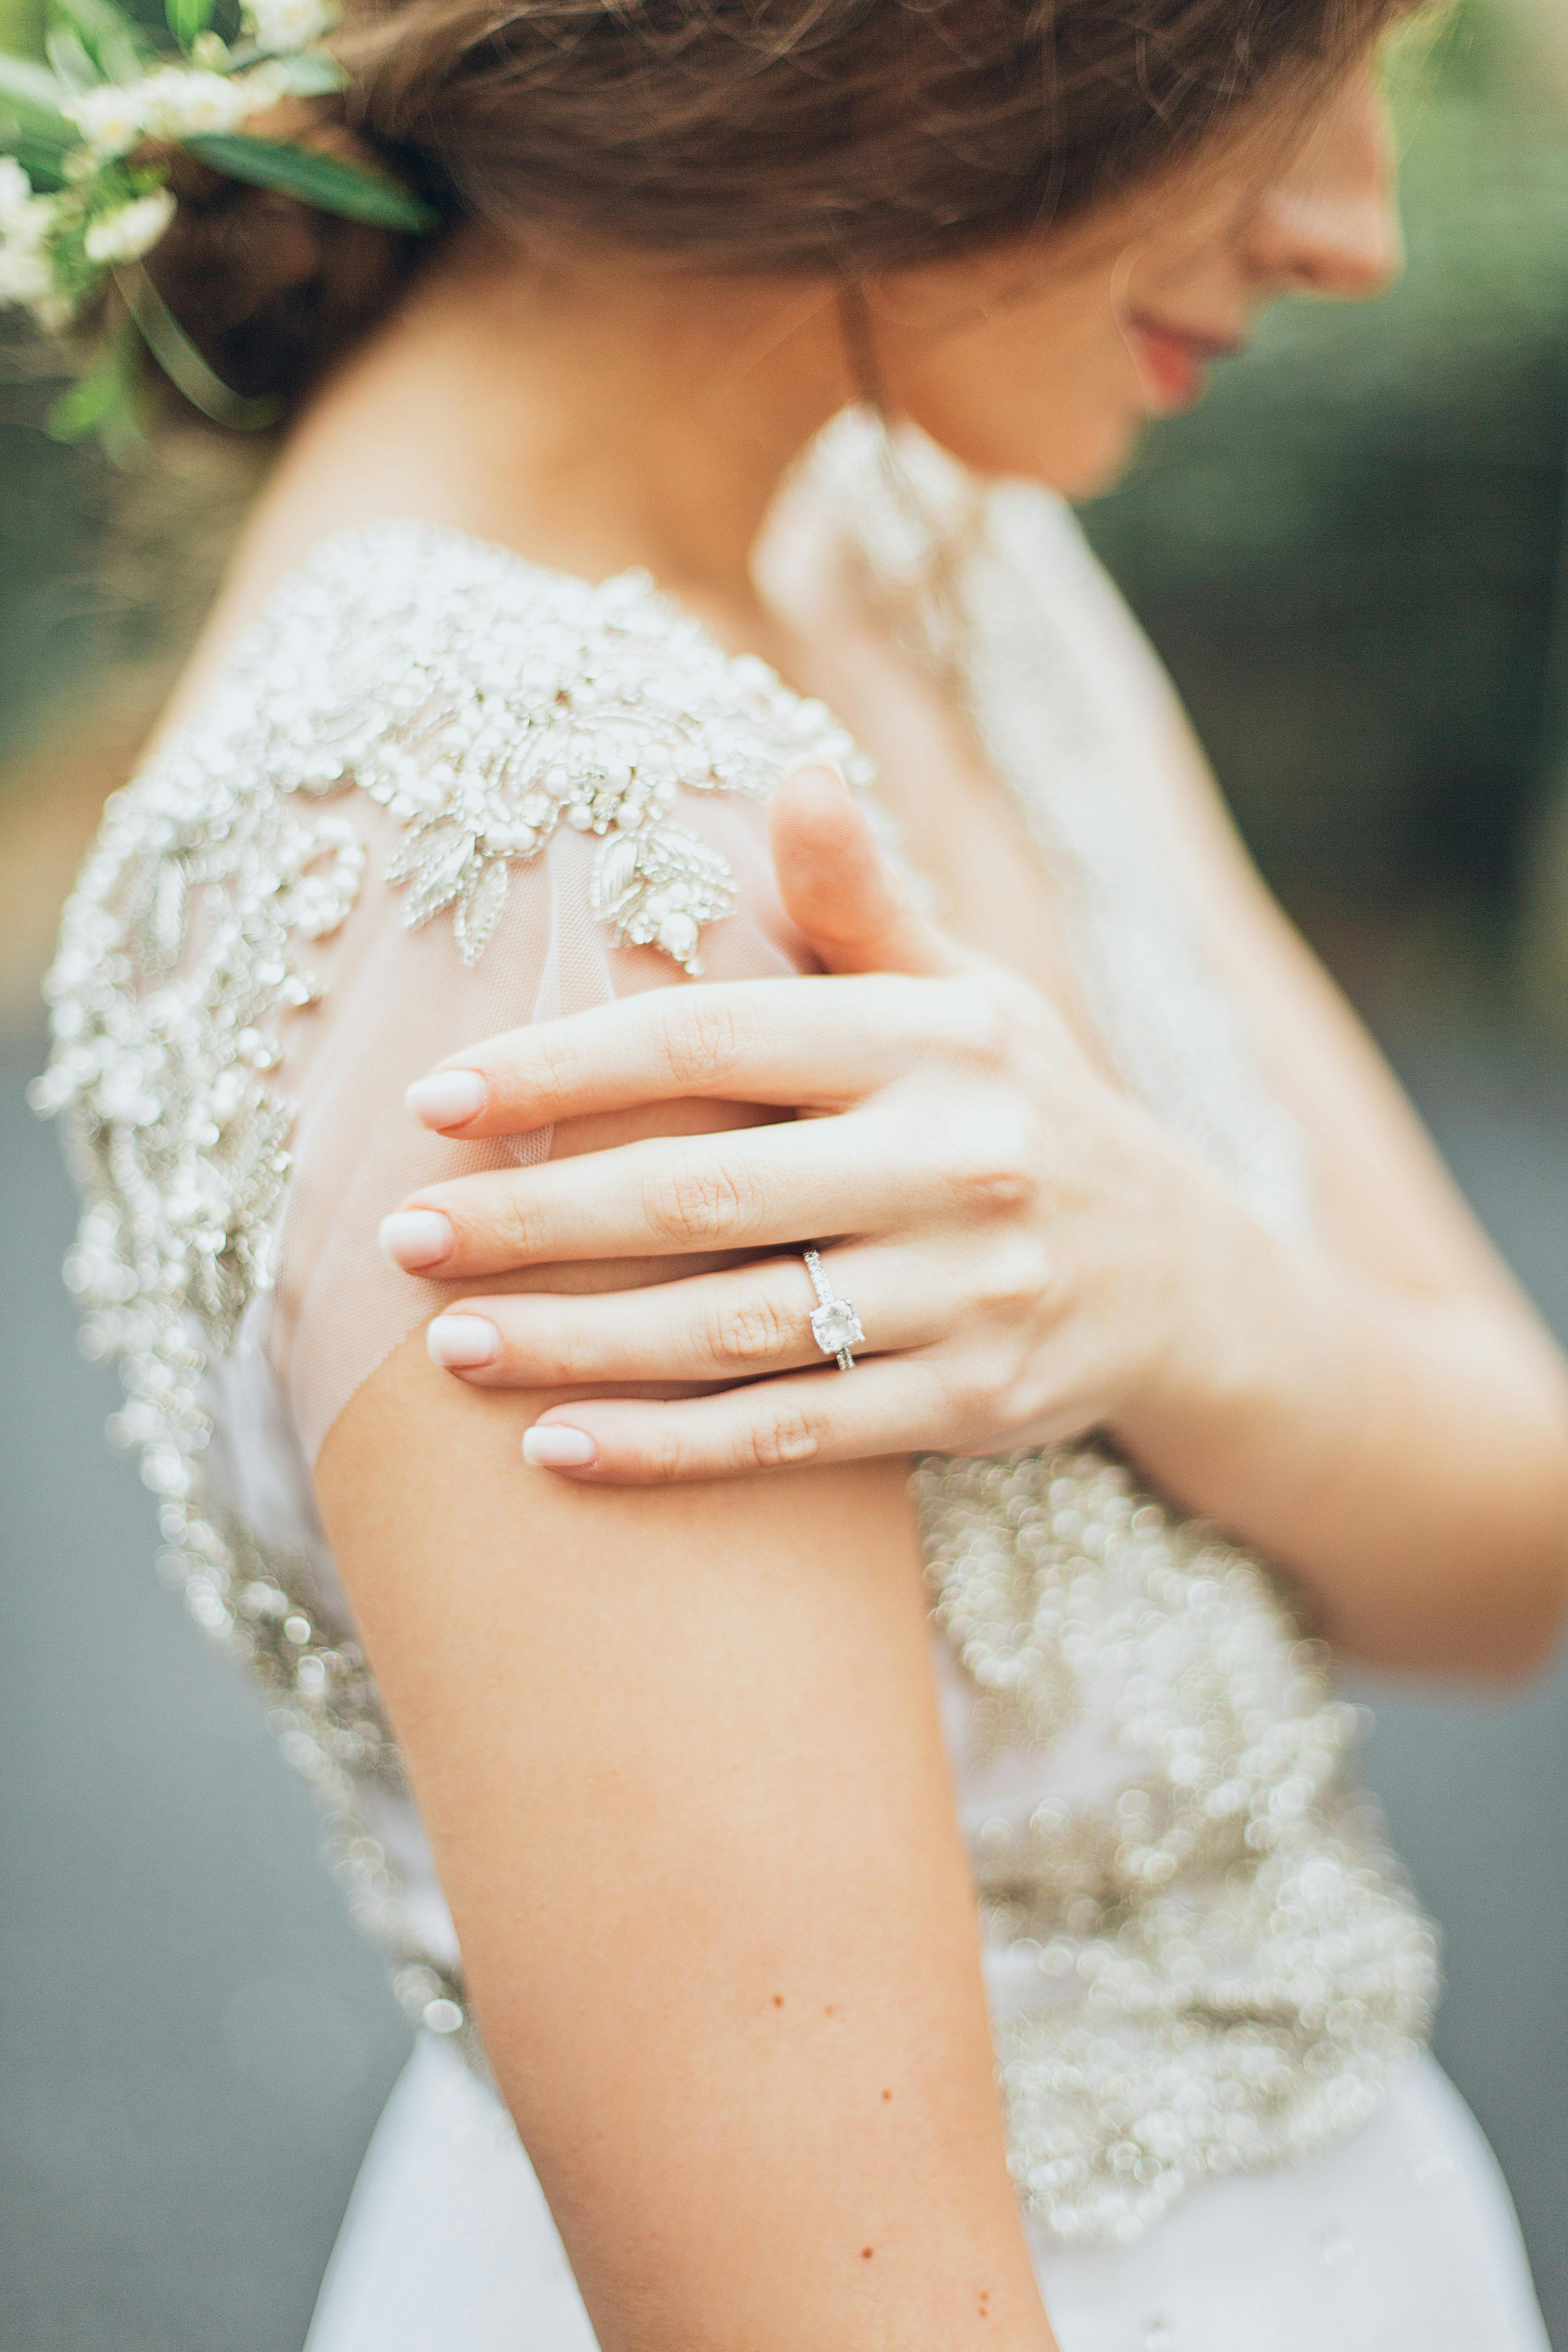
x: 837, y: 137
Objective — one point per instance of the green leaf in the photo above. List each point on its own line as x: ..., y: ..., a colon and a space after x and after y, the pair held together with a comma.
x: 187, y: 19
x: 70, y: 61
x: 104, y: 393
x: 183, y: 363
x: 31, y: 123
x: 324, y: 180
x: 31, y: 99
x: 42, y: 164
x: 115, y: 43
x: 33, y: 85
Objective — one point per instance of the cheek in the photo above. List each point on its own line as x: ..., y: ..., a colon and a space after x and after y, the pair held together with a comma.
x: 1059, y: 404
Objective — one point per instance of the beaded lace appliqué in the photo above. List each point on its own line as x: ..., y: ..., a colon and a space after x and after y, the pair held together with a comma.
x: 482, y: 703
x: 1228, y: 1967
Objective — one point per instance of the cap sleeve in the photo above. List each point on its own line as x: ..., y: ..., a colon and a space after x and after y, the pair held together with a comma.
x: 395, y: 1001
x: 556, y: 794
x: 435, y: 793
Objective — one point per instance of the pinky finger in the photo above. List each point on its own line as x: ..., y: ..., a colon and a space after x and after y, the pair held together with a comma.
x: 893, y: 1405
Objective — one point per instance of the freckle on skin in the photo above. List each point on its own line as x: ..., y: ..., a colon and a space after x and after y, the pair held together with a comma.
x: 778, y: 2001
x: 866, y: 2253
x: 887, y: 2095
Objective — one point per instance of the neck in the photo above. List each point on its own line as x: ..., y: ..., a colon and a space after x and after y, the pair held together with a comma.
x: 612, y: 416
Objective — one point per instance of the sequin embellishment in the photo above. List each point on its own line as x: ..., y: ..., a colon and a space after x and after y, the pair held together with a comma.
x: 1229, y: 1966
x: 482, y: 703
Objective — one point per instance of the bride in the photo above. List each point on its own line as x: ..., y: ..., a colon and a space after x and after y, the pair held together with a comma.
x: 807, y: 311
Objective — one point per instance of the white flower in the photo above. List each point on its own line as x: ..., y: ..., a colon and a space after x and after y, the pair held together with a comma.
x: 16, y: 193
x: 52, y: 312
x: 181, y: 101
x: 281, y: 25
x: 27, y: 267
x: 26, y: 226
x: 24, y: 275
x: 262, y: 87
x: 133, y: 230
x: 110, y: 120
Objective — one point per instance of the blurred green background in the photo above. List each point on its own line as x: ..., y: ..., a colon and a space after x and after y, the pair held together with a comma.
x: 1352, y: 558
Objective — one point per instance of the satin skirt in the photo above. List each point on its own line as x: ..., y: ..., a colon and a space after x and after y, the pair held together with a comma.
x: 1401, y: 2239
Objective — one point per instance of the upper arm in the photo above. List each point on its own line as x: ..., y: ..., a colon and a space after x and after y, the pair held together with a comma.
x: 678, y: 1753
x: 676, y: 1750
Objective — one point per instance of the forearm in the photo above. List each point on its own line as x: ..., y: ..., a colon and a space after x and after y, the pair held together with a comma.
x: 1406, y: 1456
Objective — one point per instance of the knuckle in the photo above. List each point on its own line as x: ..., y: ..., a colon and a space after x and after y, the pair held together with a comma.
x: 568, y: 1360
x: 783, y: 1435
x: 556, y: 1073
x: 976, y: 1025
x: 992, y: 1170
x: 1015, y: 1281
x: 693, y: 1202
x: 970, y: 1406
x: 740, y: 1333
x: 664, y: 1457
x: 698, y: 1039
x: 965, y: 1393
x: 514, y: 1227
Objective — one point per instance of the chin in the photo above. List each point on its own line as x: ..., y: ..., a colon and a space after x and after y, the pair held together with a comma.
x: 1093, y: 463
x: 1081, y: 460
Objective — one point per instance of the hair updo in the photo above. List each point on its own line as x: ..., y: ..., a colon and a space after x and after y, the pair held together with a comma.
x: 832, y: 137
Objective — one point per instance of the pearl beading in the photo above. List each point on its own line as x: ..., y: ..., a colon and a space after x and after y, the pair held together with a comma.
x: 1246, y: 1968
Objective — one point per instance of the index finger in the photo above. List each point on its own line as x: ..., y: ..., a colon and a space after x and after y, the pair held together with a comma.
x: 816, y: 1042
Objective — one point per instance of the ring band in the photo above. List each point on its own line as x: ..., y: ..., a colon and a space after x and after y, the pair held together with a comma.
x: 834, y: 1326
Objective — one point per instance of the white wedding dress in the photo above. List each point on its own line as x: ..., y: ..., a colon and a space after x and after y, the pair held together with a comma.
x: 439, y: 792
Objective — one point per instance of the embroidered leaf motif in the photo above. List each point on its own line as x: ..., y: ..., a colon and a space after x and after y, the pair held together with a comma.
x: 436, y: 858
x: 657, y: 889
x: 480, y: 909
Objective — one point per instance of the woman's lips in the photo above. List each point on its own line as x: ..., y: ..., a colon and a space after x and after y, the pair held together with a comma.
x: 1175, y: 361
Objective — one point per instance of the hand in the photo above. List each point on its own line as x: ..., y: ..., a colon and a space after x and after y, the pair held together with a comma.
x: 1021, y: 1242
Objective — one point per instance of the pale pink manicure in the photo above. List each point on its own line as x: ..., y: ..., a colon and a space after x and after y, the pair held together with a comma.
x: 549, y: 1446
x: 461, y: 1343
x: 448, y: 1099
x: 415, y: 1239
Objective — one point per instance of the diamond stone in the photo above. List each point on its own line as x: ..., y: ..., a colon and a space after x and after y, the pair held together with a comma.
x: 836, y: 1326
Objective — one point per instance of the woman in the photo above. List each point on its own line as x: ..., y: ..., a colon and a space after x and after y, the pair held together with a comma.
x: 686, y: 1779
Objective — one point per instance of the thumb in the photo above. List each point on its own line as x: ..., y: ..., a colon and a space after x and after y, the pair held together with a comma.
x: 839, y: 889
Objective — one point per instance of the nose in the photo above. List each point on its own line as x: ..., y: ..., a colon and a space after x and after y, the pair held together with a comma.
x: 1329, y: 223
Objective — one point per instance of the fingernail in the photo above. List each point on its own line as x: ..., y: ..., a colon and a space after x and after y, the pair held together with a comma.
x: 461, y: 1343
x: 416, y: 1238
x: 829, y: 768
x: 448, y: 1099
x: 549, y: 1446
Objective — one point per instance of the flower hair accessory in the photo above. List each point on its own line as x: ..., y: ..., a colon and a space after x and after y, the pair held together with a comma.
x: 84, y: 191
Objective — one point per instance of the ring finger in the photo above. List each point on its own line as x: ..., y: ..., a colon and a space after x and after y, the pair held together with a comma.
x: 735, y: 1325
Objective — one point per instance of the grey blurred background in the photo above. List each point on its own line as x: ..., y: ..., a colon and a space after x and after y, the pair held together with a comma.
x: 1352, y: 558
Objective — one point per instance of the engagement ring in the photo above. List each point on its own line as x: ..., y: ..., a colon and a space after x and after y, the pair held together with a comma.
x: 834, y: 1326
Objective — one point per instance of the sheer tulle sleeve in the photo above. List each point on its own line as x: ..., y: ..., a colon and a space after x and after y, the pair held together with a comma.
x: 395, y: 1001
